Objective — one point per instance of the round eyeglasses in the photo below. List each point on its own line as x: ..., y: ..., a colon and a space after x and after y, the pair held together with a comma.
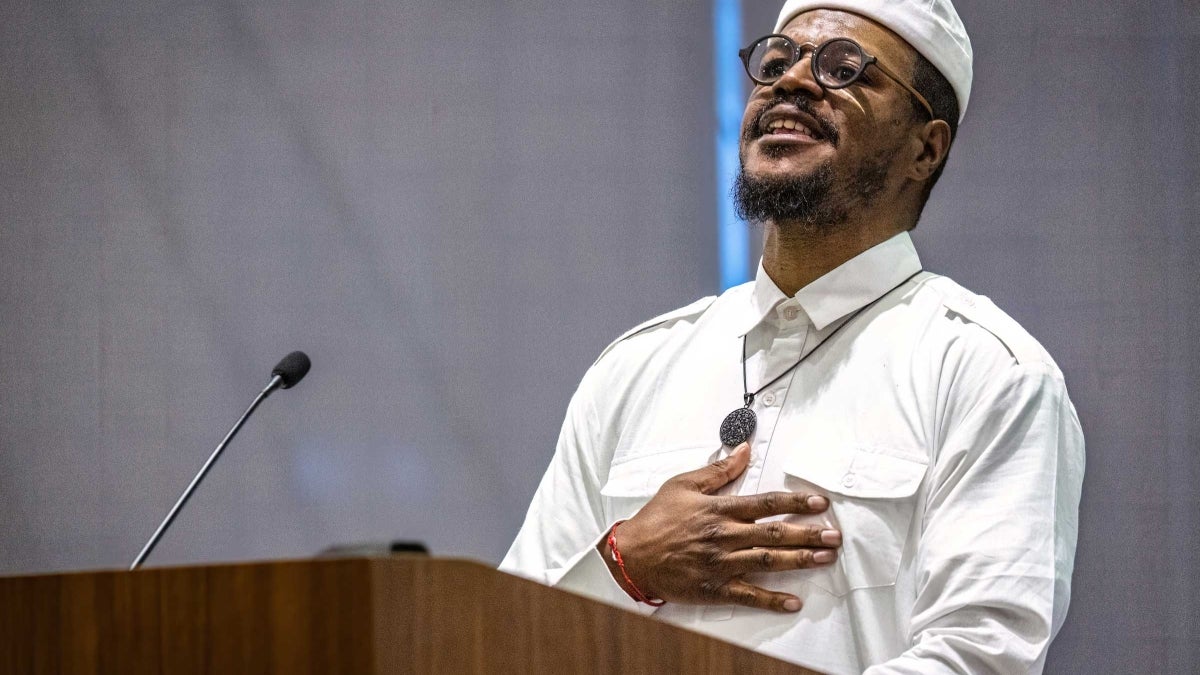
x: 836, y: 63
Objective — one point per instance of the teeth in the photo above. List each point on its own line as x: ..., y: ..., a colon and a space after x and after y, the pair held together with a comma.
x: 789, y: 124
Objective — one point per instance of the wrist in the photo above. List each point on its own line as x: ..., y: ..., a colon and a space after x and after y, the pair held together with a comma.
x: 611, y: 562
x: 611, y: 552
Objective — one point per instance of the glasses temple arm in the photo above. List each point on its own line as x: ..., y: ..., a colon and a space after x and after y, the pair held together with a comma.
x: 887, y: 71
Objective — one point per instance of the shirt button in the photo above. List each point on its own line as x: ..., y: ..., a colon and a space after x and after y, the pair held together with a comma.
x: 848, y: 480
x: 791, y: 313
x: 768, y: 398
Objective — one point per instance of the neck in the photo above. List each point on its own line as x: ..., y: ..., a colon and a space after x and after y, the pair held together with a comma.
x: 794, y: 257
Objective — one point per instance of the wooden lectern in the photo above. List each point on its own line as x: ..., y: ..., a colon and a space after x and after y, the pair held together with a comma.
x: 402, y: 614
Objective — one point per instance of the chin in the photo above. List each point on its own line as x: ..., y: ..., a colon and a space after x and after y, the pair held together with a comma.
x: 787, y: 158
x: 783, y: 168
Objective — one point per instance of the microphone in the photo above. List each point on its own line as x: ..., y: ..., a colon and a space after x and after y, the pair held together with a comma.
x: 286, y: 374
x: 290, y: 370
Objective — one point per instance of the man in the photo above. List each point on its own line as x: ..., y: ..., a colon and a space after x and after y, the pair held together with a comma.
x: 897, y: 487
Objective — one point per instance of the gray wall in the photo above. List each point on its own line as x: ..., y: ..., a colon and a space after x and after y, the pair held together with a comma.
x: 453, y: 208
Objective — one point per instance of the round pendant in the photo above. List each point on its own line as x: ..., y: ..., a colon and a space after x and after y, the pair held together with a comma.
x: 737, y: 427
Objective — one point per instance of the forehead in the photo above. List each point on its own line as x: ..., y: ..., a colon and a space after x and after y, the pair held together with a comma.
x: 818, y: 25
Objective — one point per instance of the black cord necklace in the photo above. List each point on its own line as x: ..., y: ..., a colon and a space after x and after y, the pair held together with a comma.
x: 740, y: 424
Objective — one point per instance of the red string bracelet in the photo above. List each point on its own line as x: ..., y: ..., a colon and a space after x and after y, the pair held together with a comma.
x: 637, y: 592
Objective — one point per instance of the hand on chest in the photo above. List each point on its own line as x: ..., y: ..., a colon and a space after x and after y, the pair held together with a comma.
x: 838, y: 424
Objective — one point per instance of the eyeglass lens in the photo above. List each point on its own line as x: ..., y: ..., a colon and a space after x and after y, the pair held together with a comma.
x: 837, y: 63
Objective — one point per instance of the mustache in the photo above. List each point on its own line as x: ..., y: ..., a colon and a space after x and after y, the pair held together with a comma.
x: 827, y: 128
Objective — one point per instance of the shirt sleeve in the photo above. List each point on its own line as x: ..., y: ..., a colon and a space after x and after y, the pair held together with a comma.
x: 566, y: 519
x: 998, y: 539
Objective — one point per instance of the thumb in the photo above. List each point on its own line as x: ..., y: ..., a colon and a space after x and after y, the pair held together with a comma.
x: 721, y: 472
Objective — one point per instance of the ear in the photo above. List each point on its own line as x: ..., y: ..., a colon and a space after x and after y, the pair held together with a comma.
x: 933, y: 142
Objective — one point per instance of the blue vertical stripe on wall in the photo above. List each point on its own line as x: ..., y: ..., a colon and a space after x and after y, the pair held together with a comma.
x: 733, y: 237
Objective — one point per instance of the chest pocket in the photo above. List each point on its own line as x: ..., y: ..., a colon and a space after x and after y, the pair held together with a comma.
x: 872, y: 496
x: 634, y: 479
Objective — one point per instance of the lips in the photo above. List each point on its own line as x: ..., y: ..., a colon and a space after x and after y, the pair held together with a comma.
x: 787, y: 121
x: 790, y: 127
x: 791, y: 121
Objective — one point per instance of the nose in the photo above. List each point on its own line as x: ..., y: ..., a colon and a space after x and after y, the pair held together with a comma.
x: 799, y: 78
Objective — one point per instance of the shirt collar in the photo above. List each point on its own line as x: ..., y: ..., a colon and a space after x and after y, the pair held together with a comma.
x: 848, y: 287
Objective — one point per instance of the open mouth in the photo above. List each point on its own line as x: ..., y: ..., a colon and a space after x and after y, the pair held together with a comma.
x: 790, y: 127
x: 787, y: 123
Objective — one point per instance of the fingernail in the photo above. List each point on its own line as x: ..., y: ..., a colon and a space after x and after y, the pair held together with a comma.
x: 792, y: 604
x: 831, y: 537
x: 742, y: 446
x: 824, y: 557
x: 817, y: 502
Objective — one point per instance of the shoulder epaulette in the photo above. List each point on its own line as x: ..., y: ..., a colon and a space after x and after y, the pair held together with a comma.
x: 983, y: 312
x: 695, y: 309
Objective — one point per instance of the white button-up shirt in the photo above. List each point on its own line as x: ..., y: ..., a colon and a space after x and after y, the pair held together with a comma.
x: 940, y: 431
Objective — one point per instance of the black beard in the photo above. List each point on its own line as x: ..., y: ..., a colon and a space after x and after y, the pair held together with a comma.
x: 814, y: 201
x: 787, y: 199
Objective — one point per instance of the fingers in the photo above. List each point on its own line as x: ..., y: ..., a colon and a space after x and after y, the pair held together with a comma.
x: 756, y: 507
x: 718, y: 474
x: 738, y: 592
x: 779, y: 533
x: 747, y: 561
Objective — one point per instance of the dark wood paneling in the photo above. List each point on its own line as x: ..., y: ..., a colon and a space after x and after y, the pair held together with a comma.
x: 393, y: 615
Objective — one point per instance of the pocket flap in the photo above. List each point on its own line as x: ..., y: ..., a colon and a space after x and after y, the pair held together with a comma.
x: 641, y: 475
x: 865, y: 473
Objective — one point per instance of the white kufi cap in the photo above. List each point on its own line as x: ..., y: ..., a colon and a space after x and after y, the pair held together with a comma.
x: 932, y: 27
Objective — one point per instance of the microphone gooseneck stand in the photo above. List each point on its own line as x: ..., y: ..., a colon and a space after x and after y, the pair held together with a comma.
x: 289, y: 372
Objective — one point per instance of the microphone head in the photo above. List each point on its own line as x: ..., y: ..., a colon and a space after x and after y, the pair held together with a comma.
x: 292, y: 368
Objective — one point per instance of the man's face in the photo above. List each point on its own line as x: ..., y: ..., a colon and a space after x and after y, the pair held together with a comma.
x: 843, y: 152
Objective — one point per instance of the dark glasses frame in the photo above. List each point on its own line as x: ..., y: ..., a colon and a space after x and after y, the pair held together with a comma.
x: 817, y: 50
